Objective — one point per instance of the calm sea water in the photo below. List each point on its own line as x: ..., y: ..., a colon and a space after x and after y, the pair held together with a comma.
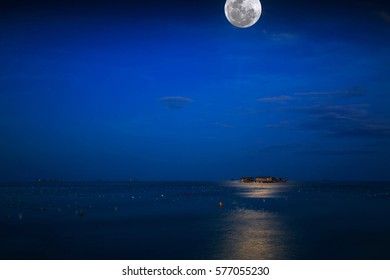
x: 184, y: 220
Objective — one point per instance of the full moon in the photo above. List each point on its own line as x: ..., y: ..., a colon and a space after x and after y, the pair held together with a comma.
x: 243, y: 13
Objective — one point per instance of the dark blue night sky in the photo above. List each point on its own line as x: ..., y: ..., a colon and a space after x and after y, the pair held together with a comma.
x: 170, y: 90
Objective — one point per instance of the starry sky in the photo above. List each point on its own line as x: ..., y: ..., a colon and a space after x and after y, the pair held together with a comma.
x: 170, y: 90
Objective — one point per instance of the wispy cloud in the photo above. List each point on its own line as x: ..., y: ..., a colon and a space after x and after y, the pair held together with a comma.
x: 276, y: 99
x: 305, y: 149
x: 337, y: 152
x: 348, y: 93
x: 175, y: 102
x: 223, y: 125
x: 280, y: 36
x: 332, y: 114
x: 376, y: 129
x: 354, y: 92
x: 279, y: 125
x: 348, y: 111
x: 353, y: 120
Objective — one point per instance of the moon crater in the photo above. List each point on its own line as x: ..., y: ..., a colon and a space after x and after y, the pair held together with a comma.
x: 243, y: 13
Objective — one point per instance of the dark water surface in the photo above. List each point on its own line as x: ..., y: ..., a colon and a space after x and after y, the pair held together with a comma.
x: 183, y: 220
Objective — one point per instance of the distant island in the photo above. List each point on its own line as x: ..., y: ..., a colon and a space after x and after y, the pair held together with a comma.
x: 267, y: 179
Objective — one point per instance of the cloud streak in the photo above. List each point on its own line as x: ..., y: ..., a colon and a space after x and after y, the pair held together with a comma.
x: 281, y: 36
x: 223, y: 125
x: 317, y: 150
x: 348, y: 120
x: 353, y: 120
x: 354, y: 92
x: 275, y: 99
x: 349, y: 93
x: 175, y: 102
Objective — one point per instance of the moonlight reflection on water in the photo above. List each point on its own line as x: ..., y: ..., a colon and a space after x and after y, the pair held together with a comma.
x: 261, y: 190
x: 184, y: 220
x: 253, y: 232
x: 254, y: 235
